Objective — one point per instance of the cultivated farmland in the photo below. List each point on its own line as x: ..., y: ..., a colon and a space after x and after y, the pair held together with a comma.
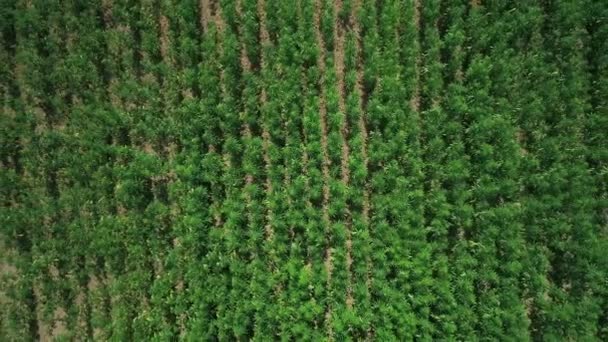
x: 303, y: 170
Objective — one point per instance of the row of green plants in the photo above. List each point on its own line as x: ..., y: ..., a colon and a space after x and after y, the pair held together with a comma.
x: 175, y: 170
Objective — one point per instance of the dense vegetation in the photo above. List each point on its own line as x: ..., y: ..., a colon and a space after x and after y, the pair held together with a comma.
x: 304, y: 170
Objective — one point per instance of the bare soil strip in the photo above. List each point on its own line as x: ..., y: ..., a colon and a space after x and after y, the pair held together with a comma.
x: 305, y: 161
x: 57, y: 325
x: 364, y: 134
x: 246, y: 65
x: 83, y: 318
x: 167, y: 56
x: 363, y: 131
x: 93, y: 288
x: 362, y: 124
x: 265, y: 41
x: 164, y: 39
x: 323, y: 115
x: 215, y: 14
x: 28, y: 99
x: 205, y: 20
x: 60, y: 316
x: 322, y: 112
x: 8, y: 276
x: 340, y: 38
x: 44, y: 330
x: 205, y: 14
x: 99, y: 282
x: 415, y: 100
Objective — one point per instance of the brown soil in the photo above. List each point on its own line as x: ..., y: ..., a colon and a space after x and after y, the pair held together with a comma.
x: 165, y: 42
x: 205, y: 19
x: 364, y: 134
x: 340, y: 36
x: 59, y: 316
x: 520, y: 136
x: 265, y: 41
x: 246, y: 66
x: 246, y: 132
x: 415, y: 100
x: 363, y: 129
x: 81, y: 303
x: 8, y: 273
x: 106, y: 8
x: 322, y: 112
x: 245, y: 63
x: 217, y: 218
x: 362, y: 125
x: 93, y: 287
x: 216, y: 17
x: 323, y: 115
x: 205, y: 14
x: 49, y: 331
x: 59, y: 328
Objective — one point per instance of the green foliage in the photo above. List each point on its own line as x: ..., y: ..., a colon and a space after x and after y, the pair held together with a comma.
x: 303, y: 170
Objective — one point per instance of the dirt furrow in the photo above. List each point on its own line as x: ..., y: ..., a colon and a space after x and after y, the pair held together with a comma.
x: 164, y: 39
x: 265, y: 41
x: 26, y: 97
x: 415, y: 100
x: 323, y: 123
x: 170, y: 149
x: 246, y: 65
x: 215, y: 17
x: 205, y: 20
x: 363, y: 131
x: 340, y: 39
x: 359, y: 88
x: 204, y: 15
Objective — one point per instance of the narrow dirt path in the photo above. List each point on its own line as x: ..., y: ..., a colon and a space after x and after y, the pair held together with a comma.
x: 362, y: 124
x: 415, y: 100
x: 363, y: 131
x: 326, y: 177
x: 165, y: 41
x: 305, y: 160
x: 93, y: 287
x: 62, y: 317
x: 246, y: 65
x: 29, y: 99
x: 9, y: 274
x: 205, y: 20
x: 100, y: 282
x: 169, y: 153
x: 340, y: 39
x: 265, y: 41
x: 204, y: 14
x: 213, y: 11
